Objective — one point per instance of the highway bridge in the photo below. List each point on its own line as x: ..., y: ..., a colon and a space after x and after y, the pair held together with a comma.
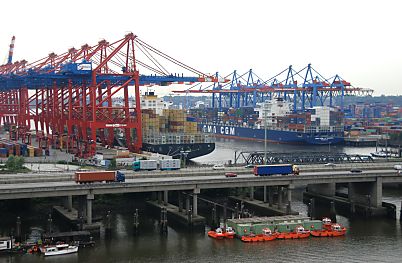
x: 320, y: 180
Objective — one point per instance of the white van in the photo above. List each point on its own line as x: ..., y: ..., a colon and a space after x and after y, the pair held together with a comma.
x: 218, y: 167
x: 398, y: 167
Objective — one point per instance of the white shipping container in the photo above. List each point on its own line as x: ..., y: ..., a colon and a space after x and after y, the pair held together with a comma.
x: 125, y: 161
x: 148, y: 165
x: 169, y: 164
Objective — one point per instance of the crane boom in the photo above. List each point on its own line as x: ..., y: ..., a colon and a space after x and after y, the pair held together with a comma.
x: 11, y: 51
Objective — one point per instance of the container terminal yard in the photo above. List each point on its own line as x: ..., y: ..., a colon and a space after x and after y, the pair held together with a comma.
x: 83, y: 110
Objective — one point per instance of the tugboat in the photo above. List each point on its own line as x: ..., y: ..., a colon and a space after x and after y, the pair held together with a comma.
x: 329, y: 229
x: 326, y: 223
x: 299, y: 232
x: 60, y: 249
x: 267, y: 235
x: 229, y: 232
x: 217, y: 234
x: 250, y: 238
x: 338, y: 230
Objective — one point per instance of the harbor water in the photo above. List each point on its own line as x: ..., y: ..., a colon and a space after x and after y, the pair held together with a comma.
x: 367, y: 240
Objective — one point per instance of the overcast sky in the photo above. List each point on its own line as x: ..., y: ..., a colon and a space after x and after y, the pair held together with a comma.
x: 359, y: 40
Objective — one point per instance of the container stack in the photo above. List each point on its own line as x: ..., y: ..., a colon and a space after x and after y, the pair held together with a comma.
x: 190, y: 127
x: 12, y: 148
x: 31, y: 151
x: 150, y: 121
x: 3, y: 152
x: 38, y: 152
x: 122, y: 154
x: 163, y: 124
x: 176, y: 120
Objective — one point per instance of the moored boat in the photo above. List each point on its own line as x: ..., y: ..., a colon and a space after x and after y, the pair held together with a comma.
x: 320, y: 233
x: 250, y: 238
x: 229, y: 232
x: 267, y: 235
x: 217, y: 234
x: 60, y: 249
x: 329, y: 229
x: 299, y: 232
x: 338, y: 230
x: 326, y: 223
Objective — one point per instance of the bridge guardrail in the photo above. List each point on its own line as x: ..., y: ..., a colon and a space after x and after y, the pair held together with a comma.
x: 44, y: 176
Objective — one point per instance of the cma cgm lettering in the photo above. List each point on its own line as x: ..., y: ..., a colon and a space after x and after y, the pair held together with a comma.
x: 224, y: 130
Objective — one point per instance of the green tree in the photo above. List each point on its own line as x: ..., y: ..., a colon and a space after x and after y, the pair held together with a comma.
x: 19, y: 162
x: 10, y: 163
x: 113, y: 164
x: 15, y: 163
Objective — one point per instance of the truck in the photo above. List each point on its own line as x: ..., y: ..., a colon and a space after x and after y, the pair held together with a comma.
x: 99, y: 176
x: 145, y: 165
x: 169, y: 164
x: 271, y: 169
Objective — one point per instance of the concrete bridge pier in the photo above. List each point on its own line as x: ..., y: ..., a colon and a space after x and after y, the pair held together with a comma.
x: 265, y: 193
x: 68, y: 203
x: 280, y: 195
x: 165, y: 197
x: 159, y: 197
x: 187, y: 203
x: 180, y: 200
x: 90, y: 198
x: 195, y: 201
x: 186, y: 213
x: 364, y: 198
x: 252, y: 193
x: 368, y: 193
x: 270, y: 196
x: 289, y: 198
x: 82, y: 208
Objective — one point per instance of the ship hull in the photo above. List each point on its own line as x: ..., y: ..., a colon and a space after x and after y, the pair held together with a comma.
x: 183, y: 150
x: 278, y: 136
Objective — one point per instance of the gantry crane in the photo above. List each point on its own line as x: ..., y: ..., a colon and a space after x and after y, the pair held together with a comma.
x: 304, y: 88
x: 73, y: 95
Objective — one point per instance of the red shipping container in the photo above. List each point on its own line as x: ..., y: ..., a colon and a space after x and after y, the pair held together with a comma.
x: 94, y: 176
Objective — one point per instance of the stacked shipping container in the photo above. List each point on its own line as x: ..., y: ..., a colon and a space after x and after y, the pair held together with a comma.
x: 12, y: 148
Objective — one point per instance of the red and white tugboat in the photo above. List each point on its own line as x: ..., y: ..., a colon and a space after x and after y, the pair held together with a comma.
x: 229, y: 232
x: 329, y: 229
x: 267, y: 235
x: 217, y: 234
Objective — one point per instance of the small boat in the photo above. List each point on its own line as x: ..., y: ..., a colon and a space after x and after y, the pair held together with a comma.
x: 381, y: 154
x: 267, y: 235
x: 229, y: 232
x: 338, y: 230
x: 217, y: 234
x: 250, y: 238
x: 326, y: 223
x: 299, y: 232
x: 6, y: 243
x: 329, y: 229
x: 320, y: 233
x: 60, y: 249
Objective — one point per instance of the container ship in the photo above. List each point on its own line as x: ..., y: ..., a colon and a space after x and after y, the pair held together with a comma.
x: 318, y: 125
x: 171, y: 131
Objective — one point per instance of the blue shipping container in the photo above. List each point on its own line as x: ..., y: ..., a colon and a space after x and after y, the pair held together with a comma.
x: 273, y: 169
